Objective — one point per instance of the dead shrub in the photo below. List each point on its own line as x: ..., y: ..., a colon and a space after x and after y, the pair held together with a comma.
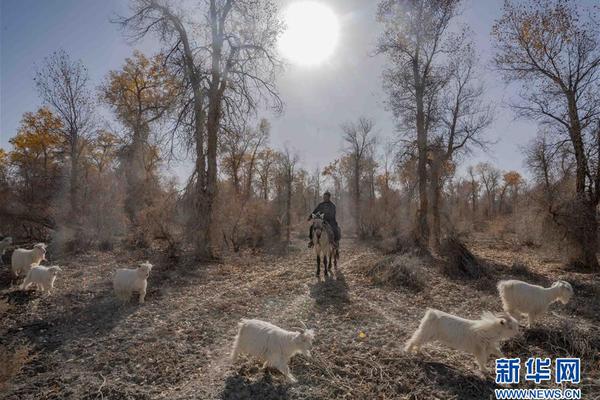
x: 566, y: 339
x: 460, y: 261
x: 401, y: 243
x: 12, y: 363
x: 519, y: 269
x: 250, y: 223
x: 404, y: 270
x: 5, y: 307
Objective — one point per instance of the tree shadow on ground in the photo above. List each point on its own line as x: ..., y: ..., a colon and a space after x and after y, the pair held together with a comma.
x: 586, y: 301
x: 95, y: 317
x: 492, y: 272
x: 19, y: 297
x: 6, y: 277
x: 461, y: 385
x: 238, y: 387
x: 331, y: 291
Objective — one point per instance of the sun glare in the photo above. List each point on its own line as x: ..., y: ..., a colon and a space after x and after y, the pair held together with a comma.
x: 311, y: 33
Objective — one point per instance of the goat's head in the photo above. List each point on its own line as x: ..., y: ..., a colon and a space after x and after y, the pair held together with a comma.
x: 565, y: 291
x: 42, y: 249
x: 504, y: 324
x: 144, y: 269
x: 304, y: 341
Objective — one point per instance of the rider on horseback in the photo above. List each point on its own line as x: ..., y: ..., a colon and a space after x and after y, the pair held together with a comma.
x: 328, y: 209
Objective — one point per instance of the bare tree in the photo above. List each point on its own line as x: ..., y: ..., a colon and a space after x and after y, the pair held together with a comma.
x: 554, y: 53
x: 413, y: 39
x: 239, y: 149
x: 64, y: 85
x: 227, y: 61
x: 360, y: 141
x: 490, y: 178
x: 540, y: 155
x: 463, y: 116
x: 260, y: 139
x: 473, y: 189
x: 266, y: 160
x: 288, y: 163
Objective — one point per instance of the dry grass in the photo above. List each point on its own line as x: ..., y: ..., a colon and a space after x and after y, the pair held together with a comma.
x: 176, y: 345
x: 401, y: 271
x: 13, y: 361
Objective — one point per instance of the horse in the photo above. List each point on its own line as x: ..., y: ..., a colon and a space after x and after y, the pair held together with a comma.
x: 324, y: 243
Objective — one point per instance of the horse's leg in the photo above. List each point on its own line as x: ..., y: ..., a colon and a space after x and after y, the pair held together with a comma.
x: 325, y: 263
x: 336, y: 253
x: 318, y: 264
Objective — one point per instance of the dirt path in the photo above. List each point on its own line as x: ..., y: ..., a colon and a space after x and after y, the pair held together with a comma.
x: 176, y: 346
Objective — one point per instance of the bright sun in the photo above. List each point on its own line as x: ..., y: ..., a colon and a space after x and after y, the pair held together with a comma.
x: 311, y: 33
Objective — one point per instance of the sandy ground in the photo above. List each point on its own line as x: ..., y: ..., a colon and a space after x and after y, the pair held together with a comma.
x: 176, y: 345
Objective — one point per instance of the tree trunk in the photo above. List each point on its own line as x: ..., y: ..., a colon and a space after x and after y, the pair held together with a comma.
x: 357, y: 216
x: 74, y: 181
x: 436, y: 187
x: 288, y: 210
x: 586, y: 234
x: 422, y: 224
x: 584, y: 226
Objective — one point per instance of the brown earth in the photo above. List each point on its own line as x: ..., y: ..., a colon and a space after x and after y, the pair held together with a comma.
x: 176, y: 345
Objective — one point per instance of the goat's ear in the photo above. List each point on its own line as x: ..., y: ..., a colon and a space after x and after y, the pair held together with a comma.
x: 487, y: 315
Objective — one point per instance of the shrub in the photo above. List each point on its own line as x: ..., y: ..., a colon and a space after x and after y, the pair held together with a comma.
x: 403, y: 270
x: 460, y: 261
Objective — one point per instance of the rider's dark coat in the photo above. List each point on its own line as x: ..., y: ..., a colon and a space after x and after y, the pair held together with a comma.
x: 328, y: 210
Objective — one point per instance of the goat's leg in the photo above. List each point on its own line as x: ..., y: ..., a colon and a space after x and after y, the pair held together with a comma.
x: 531, y: 317
x: 25, y: 284
x: 284, y: 368
x: 513, y: 313
x: 142, y: 296
x: 481, y: 355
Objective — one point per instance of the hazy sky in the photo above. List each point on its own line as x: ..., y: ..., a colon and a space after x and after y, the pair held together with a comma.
x: 317, y: 99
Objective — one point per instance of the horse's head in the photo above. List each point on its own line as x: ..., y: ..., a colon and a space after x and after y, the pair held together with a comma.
x: 317, y: 223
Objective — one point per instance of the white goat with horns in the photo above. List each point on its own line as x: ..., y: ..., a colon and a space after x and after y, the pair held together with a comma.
x: 272, y: 344
x: 479, y: 337
x: 520, y: 297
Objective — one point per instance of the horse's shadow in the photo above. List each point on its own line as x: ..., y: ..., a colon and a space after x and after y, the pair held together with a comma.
x: 238, y: 387
x: 331, y: 290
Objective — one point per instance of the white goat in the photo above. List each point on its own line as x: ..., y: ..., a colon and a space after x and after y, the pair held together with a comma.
x: 43, y: 277
x: 520, y: 297
x: 22, y: 259
x: 478, y: 337
x: 4, y: 244
x: 272, y: 344
x: 126, y: 281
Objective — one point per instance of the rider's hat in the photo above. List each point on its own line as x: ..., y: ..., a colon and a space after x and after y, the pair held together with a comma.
x: 327, y: 193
